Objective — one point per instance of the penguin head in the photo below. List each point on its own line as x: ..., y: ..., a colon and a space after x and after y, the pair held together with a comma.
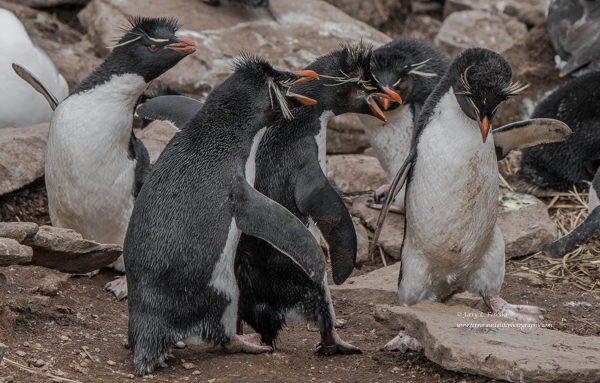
x: 346, y: 83
x: 410, y: 67
x: 149, y: 48
x: 267, y: 89
x: 481, y: 82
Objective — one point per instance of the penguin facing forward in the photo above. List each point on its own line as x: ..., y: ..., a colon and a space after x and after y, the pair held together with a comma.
x: 265, y: 4
x: 95, y: 165
x: 20, y: 105
x: 560, y: 166
x: 181, y: 241
x: 412, y: 68
x: 451, y: 240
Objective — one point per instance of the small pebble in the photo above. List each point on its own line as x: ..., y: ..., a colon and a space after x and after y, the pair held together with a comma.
x: 64, y: 338
x: 21, y: 353
x: 188, y: 366
x: 196, y: 372
x: 110, y: 363
x: 131, y: 376
x: 39, y: 363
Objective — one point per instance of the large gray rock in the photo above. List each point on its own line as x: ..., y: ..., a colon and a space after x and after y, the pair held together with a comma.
x: 493, y: 346
x: 345, y: 135
x: 306, y: 29
x: 530, y: 12
x: 392, y: 234
x: 375, y: 12
x: 525, y: 224
x: 155, y: 137
x: 13, y: 253
x: 355, y: 172
x: 47, y: 3
x: 466, y: 29
x: 22, y: 156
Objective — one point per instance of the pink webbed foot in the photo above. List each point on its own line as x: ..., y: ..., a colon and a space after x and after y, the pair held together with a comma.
x: 402, y: 342
x: 378, y: 197
x: 118, y: 287
x: 249, y: 343
x: 517, y: 313
x: 332, y: 344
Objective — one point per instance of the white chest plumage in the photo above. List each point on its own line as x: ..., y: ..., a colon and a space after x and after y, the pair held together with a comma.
x: 452, y: 199
x: 390, y: 140
x: 89, y: 175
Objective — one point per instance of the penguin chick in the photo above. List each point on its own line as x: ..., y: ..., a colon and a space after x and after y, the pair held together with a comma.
x: 181, y: 240
x: 20, y: 105
x: 248, y: 3
x: 412, y: 68
x: 95, y: 165
x: 451, y: 240
x: 290, y: 169
x: 560, y: 166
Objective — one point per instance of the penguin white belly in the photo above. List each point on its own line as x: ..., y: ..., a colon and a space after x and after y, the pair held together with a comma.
x: 452, y: 204
x: 89, y: 174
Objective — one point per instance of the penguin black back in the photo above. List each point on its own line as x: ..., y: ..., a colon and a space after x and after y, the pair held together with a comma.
x: 560, y: 166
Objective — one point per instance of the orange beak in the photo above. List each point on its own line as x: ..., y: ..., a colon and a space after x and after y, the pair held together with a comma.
x: 185, y: 46
x: 390, y: 96
x: 485, y: 127
x: 303, y: 99
x: 386, y: 104
x: 305, y: 75
x: 375, y: 109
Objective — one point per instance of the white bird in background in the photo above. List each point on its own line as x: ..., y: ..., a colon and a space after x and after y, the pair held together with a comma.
x: 20, y: 104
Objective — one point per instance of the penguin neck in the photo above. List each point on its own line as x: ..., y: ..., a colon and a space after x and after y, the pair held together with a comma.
x: 321, y: 137
x: 250, y: 168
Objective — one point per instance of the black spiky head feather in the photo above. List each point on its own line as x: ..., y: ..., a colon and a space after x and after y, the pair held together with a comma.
x: 410, y: 67
x: 153, y: 28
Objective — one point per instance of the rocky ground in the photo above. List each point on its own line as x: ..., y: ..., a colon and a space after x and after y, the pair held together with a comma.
x: 73, y: 330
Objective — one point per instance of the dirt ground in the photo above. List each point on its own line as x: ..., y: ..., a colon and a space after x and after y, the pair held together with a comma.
x: 71, y: 328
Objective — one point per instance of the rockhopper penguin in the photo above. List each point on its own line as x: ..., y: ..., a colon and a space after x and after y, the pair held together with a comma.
x: 451, y: 240
x: 181, y: 241
x: 290, y: 169
x: 560, y: 166
x: 412, y: 68
x: 95, y: 165
x: 20, y: 105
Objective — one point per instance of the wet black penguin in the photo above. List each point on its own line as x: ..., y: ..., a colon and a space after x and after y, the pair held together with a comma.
x: 412, y: 68
x: 560, y: 166
x: 95, y: 165
x: 265, y: 4
x: 451, y: 240
x: 184, y: 228
x: 290, y: 169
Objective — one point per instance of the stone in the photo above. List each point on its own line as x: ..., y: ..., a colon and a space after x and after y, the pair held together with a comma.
x: 392, y: 234
x: 525, y: 224
x: 51, y: 283
x: 376, y: 12
x: 459, y: 338
x: 7, y: 318
x: 22, y: 156
x: 380, y: 286
x: 493, y: 32
x: 65, y: 250
x: 362, y: 237
x: 517, y: 8
x: 155, y: 137
x: 48, y: 3
x: 355, y: 172
x: 306, y: 30
x: 529, y: 279
x: 345, y: 135
x: 13, y: 253
x: 17, y: 230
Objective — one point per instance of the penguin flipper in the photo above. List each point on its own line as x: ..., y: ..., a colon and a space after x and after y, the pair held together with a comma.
x: 36, y: 84
x: 261, y: 217
x: 395, y: 187
x: 176, y: 110
x: 527, y: 133
x: 577, y: 237
x: 318, y: 199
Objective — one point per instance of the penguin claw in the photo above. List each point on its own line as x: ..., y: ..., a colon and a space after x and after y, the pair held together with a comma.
x: 333, y: 344
x: 378, y: 198
x: 118, y: 287
x: 249, y: 344
x: 518, y: 313
x: 403, y: 342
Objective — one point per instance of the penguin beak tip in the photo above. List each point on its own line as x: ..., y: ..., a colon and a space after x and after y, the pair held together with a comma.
x: 305, y: 75
x: 184, y: 46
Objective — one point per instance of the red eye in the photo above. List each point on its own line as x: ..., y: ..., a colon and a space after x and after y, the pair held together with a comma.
x: 360, y: 92
x: 153, y: 48
x: 399, y: 85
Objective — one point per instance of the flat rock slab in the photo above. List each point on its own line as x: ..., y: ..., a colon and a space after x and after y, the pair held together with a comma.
x: 346, y: 135
x: 306, y: 30
x: 393, y: 229
x: 355, y: 172
x: 13, y: 253
x: 492, y: 347
x: 17, y: 230
x: 525, y: 224
x: 22, y: 156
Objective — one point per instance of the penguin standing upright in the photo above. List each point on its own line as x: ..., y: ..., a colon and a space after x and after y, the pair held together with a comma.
x: 183, y: 233
x: 95, y: 165
x: 290, y: 169
x: 20, y: 105
x: 451, y: 240
x: 560, y: 166
x: 412, y: 68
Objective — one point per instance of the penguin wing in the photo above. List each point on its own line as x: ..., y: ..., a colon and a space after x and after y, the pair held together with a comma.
x: 527, y: 133
x: 317, y: 198
x: 577, y: 237
x: 261, y: 217
x: 138, y: 152
x: 395, y: 187
x: 36, y: 84
x: 176, y: 110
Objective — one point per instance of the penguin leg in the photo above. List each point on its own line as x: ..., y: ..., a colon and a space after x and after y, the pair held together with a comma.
x: 518, y: 313
x: 380, y: 194
x: 118, y: 287
x: 402, y: 342
x: 332, y: 344
x: 249, y: 343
